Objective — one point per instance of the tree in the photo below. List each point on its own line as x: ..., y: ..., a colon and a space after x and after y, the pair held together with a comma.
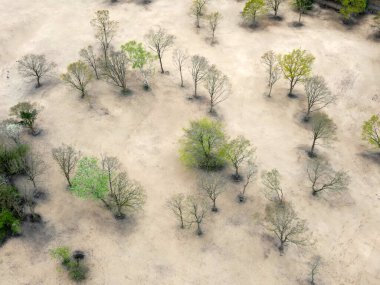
x: 315, y: 265
x: 197, y: 10
x: 197, y: 210
x: 318, y: 95
x: 11, y: 159
x: 27, y: 114
x: 28, y: 196
x: 179, y: 59
x: 283, y: 222
x: 140, y: 59
x: 301, y: 6
x: 176, y: 204
x: 252, y: 8
x: 371, y: 131
x: 88, y: 56
x: 213, y: 22
x: 125, y: 194
x: 212, y: 185
x: 199, y: 70
x: 238, y: 151
x: 218, y: 87
x: 105, y: 30
x: 203, y: 144
x: 67, y: 158
x: 159, y: 41
x: 323, y: 178
x: 273, y: 190
x: 78, y: 76
x: 376, y: 24
x: 90, y: 181
x: 115, y: 69
x: 322, y: 127
x: 352, y: 7
x: 273, y: 68
x: 35, y: 66
x: 12, y: 130
x: 251, y: 171
x: 296, y: 66
x: 274, y: 5
x: 33, y: 167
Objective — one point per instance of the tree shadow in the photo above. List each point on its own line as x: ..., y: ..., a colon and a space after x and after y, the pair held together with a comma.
x: 373, y: 156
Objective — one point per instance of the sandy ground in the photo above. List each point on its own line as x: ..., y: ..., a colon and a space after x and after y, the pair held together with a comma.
x: 142, y: 130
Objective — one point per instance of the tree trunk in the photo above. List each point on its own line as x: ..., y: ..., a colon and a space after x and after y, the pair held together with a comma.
x: 199, y: 230
x: 281, y: 248
x: 38, y: 82
x: 180, y: 72
x: 162, y: 69
x: 270, y: 90
x: 311, y: 153
x: 299, y: 18
x: 68, y: 179
x: 195, y: 88
x: 214, y: 208
x: 182, y: 224
x: 83, y: 93
x: 291, y: 87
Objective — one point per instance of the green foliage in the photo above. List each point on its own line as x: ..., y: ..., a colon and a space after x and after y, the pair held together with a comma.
x: 78, y: 76
x: 239, y: 150
x: 252, y: 8
x: 371, y: 131
x: 90, y: 181
x: 26, y: 113
x: 62, y: 254
x: 9, y: 224
x: 9, y: 197
x: 296, y: 66
x: 203, y: 145
x: 137, y: 54
x: 11, y: 158
x: 352, y: 7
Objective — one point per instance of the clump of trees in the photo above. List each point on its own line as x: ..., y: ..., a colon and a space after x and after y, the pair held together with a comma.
x: 325, y: 179
x: 159, y: 41
x: 296, y: 67
x: 252, y: 9
x: 371, y: 131
x: 25, y: 114
x: 203, y: 145
x: 322, y: 128
x: 72, y: 262
x: 35, y: 66
x: 78, y: 76
x: 107, y: 183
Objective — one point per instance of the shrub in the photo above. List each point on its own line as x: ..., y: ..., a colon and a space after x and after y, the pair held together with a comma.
x: 9, y: 225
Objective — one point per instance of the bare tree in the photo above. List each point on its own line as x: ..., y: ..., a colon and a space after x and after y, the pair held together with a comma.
x: 212, y: 185
x: 176, y: 204
x: 273, y: 190
x: 196, y: 211
x: 283, y: 222
x: 33, y: 167
x: 179, y: 59
x: 115, y: 69
x: 273, y: 69
x: 199, y: 70
x: 111, y: 165
x: 197, y: 10
x: 67, y: 158
x: 218, y: 87
x: 159, y: 41
x: 322, y: 128
x: 251, y: 171
x: 35, y: 66
x: 105, y: 30
x: 238, y: 151
x: 318, y: 95
x: 78, y: 76
x: 213, y: 22
x: 315, y: 266
x: 89, y: 56
x: 274, y: 5
x: 324, y: 178
x: 125, y: 194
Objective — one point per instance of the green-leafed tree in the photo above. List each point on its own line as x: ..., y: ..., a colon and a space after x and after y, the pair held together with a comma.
x: 203, y: 144
x: 238, y: 151
x: 78, y: 76
x: 26, y: 114
x: 296, y: 66
x: 301, y: 6
x: 322, y: 128
x: 351, y: 8
x: 371, y: 131
x: 252, y: 9
x: 140, y: 59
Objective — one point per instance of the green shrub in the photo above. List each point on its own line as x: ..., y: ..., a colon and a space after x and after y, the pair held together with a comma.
x: 11, y: 159
x: 9, y: 225
x: 9, y: 198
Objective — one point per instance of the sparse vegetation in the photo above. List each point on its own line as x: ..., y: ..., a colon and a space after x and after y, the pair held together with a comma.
x: 253, y: 8
x: 176, y: 204
x: 273, y: 69
x: 371, y: 131
x: 212, y: 186
x: 35, y: 66
x: 213, y: 22
x: 67, y: 158
x: 180, y: 58
x: 197, y: 10
x: 199, y: 71
x: 238, y: 151
x: 273, y: 190
x: 197, y: 211
x: 322, y: 128
x: 26, y: 114
x: 115, y: 68
x: 218, y: 87
x: 78, y: 76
